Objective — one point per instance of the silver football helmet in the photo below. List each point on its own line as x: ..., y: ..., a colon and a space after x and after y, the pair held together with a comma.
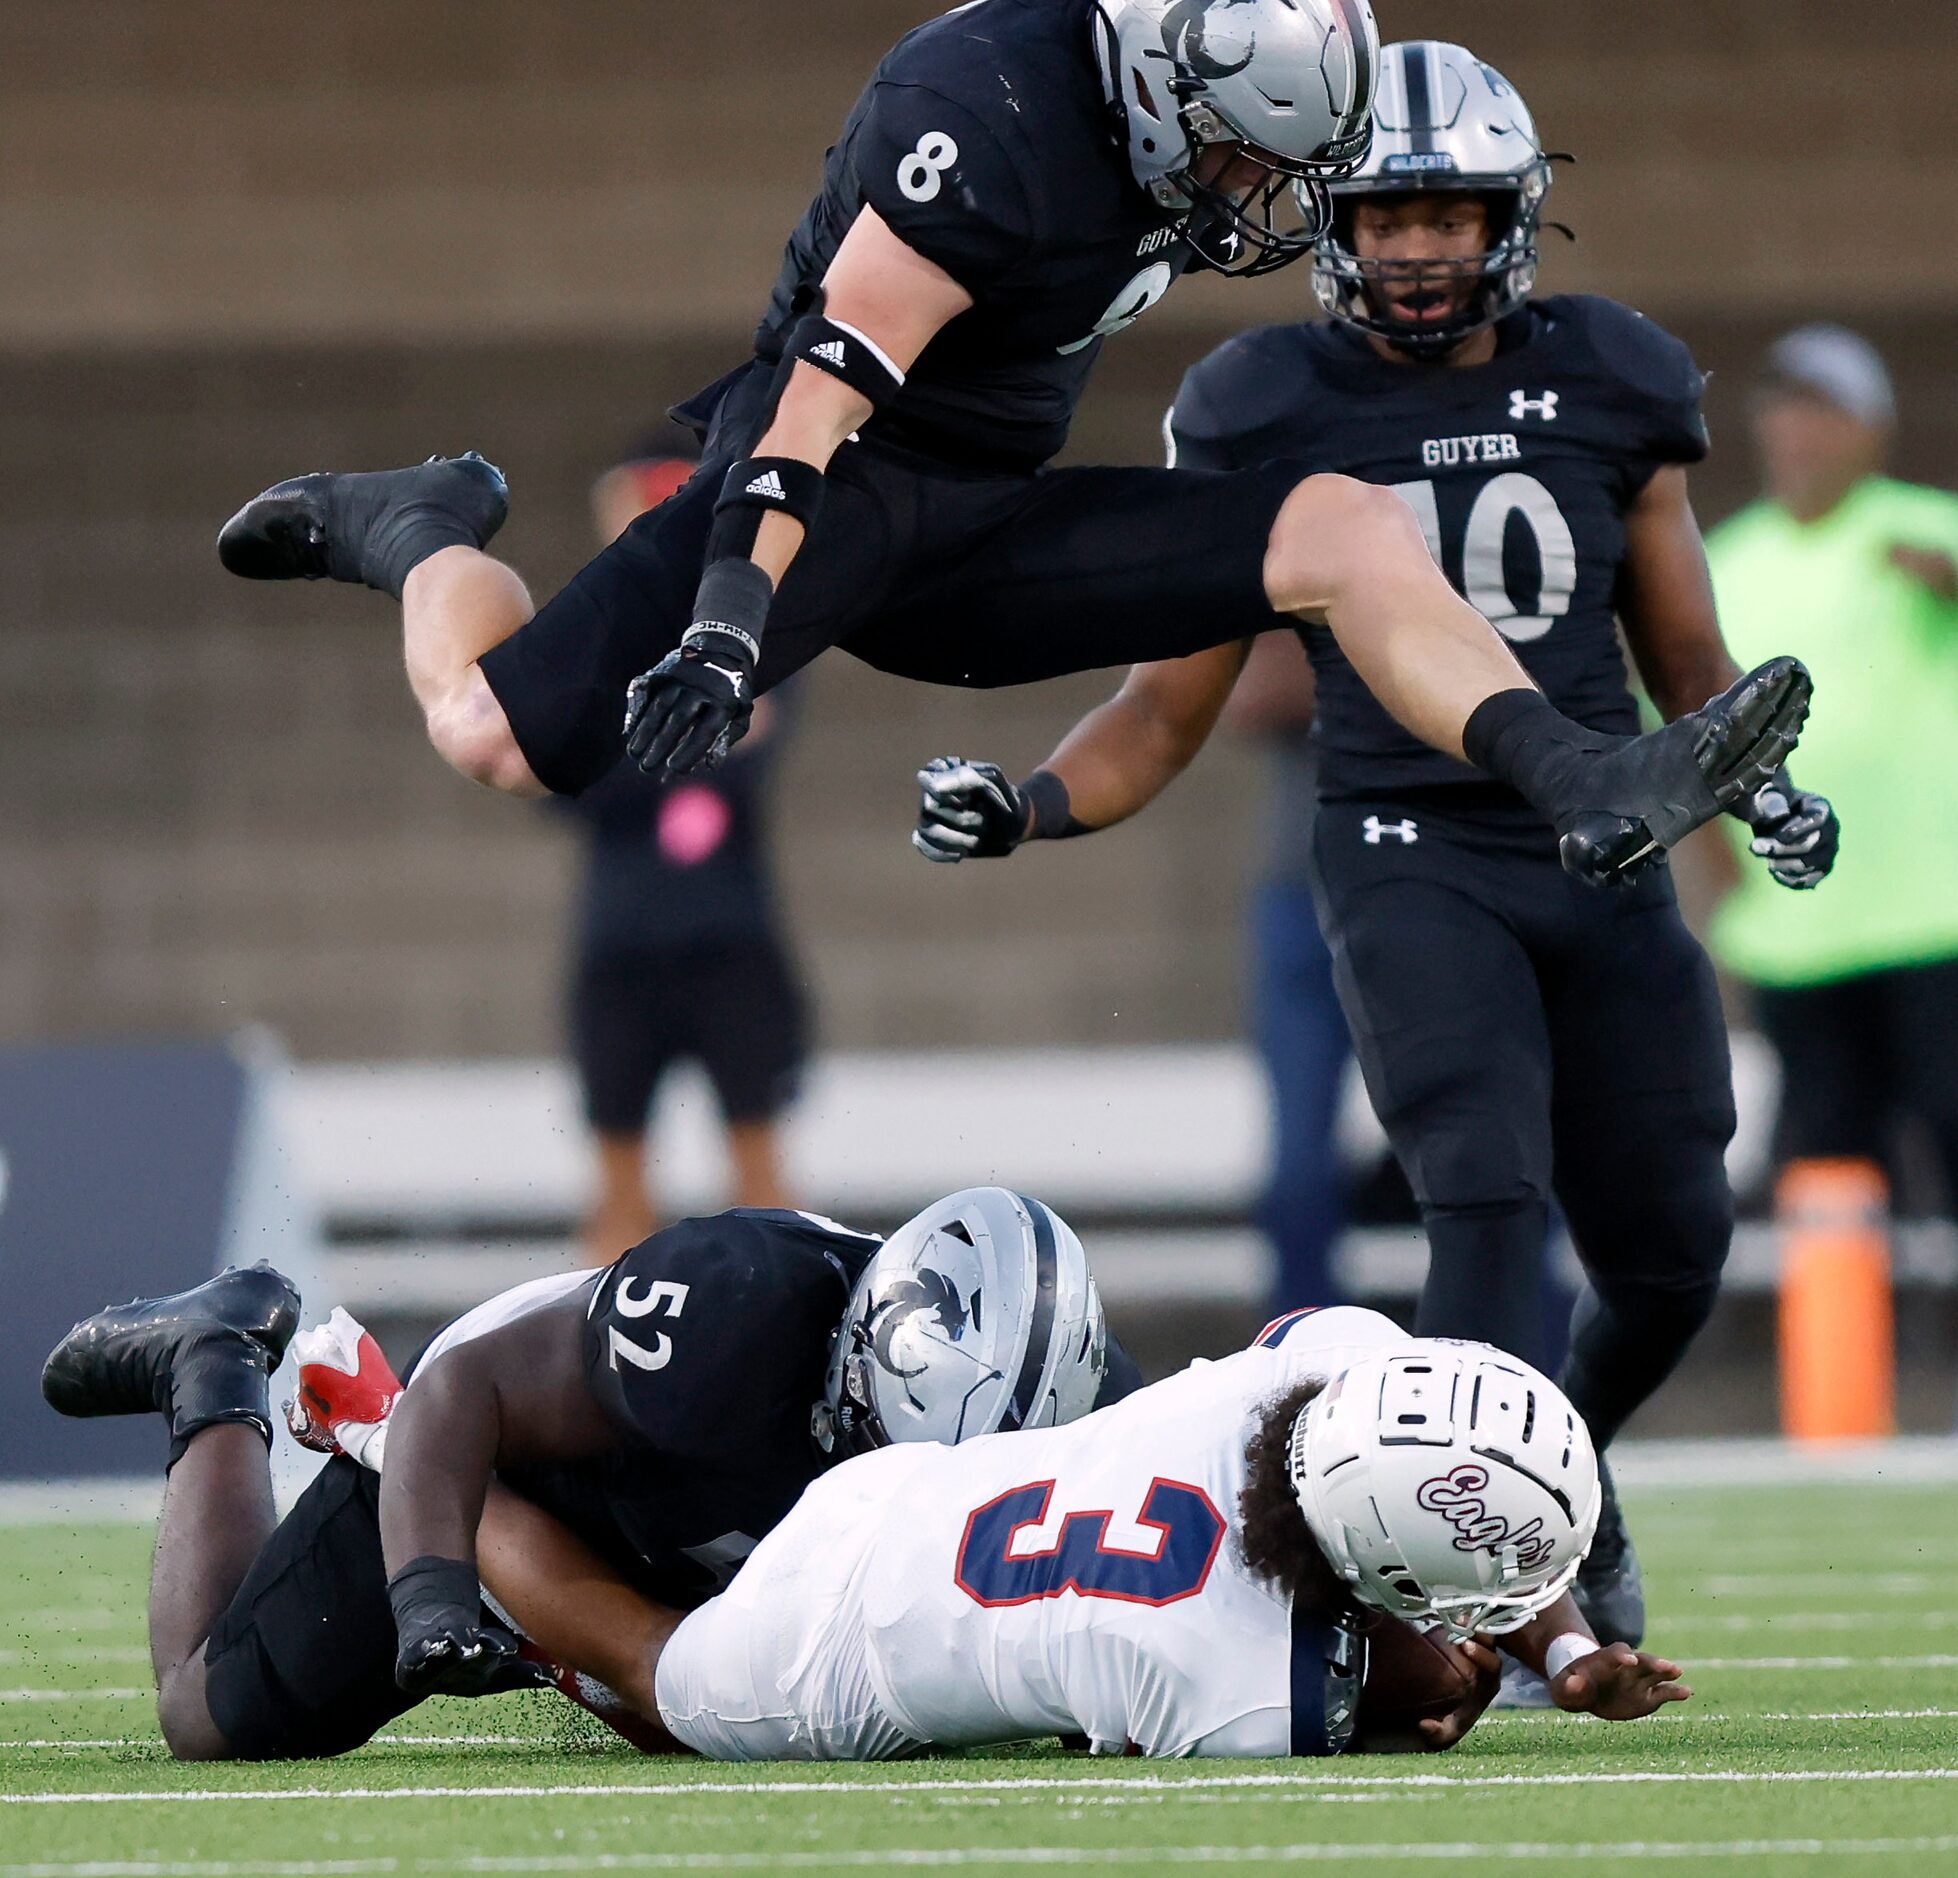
x: 1286, y: 82
x: 1442, y: 121
x: 1448, y: 1482
x: 977, y: 1316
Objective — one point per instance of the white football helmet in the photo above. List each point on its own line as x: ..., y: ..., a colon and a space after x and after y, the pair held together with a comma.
x: 1442, y: 120
x: 1287, y: 81
x: 978, y: 1315
x: 1448, y: 1482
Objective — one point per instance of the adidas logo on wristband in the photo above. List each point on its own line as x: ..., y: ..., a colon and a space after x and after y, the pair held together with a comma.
x: 768, y: 485
x: 831, y: 353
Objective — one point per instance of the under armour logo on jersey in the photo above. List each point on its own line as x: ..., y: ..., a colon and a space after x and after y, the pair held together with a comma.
x: 1377, y: 831
x: 830, y: 353
x: 1522, y: 405
x: 768, y: 485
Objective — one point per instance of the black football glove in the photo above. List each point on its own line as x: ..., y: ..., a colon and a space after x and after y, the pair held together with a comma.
x: 444, y: 1644
x: 1795, y: 832
x: 693, y: 707
x: 968, y: 811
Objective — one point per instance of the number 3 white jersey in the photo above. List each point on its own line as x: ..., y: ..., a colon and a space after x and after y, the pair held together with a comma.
x: 1088, y: 1579
x: 1080, y: 1580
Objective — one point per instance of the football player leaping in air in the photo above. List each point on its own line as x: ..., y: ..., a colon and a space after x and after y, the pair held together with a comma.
x: 660, y: 1409
x: 1022, y: 179
x: 1519, y: 1037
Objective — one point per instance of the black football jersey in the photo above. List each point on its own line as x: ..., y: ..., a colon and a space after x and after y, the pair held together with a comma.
x: 708, y: 1345
x: 1521, y: 471
x: 986, y: 143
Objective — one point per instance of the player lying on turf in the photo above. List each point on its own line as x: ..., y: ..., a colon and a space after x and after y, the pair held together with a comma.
x: 1022, y: 179
x: 1204, y: 1568
x: 1518, y: 1039
x: 660, y: 1409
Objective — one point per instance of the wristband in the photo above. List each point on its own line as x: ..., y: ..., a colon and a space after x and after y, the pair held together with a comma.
x: 752, y: 490
x: 432, y: 1586
x: 733, y: 598
x: 1049, y: 816
x: 1564, y: 1651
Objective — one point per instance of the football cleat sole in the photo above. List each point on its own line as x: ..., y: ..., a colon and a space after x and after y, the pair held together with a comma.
x: 1722, y: 753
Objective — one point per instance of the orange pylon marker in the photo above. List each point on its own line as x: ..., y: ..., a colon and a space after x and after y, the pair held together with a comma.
x: 1838, y: 1343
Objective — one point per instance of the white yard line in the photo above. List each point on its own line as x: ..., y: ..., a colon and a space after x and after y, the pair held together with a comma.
x: 1801, y: 1583
x: 1689, y: 1719
x: 73, y: 1695
x: 1437, y: 1851
x: 838, y: 1789
x: 1809, y: 1620
x: 76, y: 1653
x: 1825, y: 1662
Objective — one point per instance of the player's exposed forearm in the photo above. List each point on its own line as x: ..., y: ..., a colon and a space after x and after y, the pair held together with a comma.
x: 569, y: 1602
x: 442, y: 1445
x: 1530, y: 1645
x: 816, y: 414
x: 1666, y: 602
x: 1125, y: 753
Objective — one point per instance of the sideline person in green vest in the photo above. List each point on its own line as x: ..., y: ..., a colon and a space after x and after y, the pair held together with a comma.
x: 1856, y: 986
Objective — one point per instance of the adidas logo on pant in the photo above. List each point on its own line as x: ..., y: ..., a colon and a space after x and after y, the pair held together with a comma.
x: 768, y: 486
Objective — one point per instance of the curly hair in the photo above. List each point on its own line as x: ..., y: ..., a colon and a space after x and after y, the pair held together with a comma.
x: 1272, y: 1533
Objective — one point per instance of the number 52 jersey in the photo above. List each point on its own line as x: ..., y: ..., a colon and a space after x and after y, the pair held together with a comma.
x: 1084, y: 1580
x: 1521, y: 471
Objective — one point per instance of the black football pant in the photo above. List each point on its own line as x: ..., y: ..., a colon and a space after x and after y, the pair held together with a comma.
x: 1859, y: 1055
x: 1523, y: 1035
x: 954, y: 577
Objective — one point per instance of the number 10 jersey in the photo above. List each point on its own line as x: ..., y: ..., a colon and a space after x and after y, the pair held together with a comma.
x: 1521, y: 471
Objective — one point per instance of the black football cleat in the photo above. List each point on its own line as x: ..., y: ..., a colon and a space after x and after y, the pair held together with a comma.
x: 1653, y: 792
x: 1610, y: 1588
x: 202, y: 1356
x: 360, y: 526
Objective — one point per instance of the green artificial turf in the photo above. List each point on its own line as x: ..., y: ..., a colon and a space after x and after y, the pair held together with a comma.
x: 1821, y: 1625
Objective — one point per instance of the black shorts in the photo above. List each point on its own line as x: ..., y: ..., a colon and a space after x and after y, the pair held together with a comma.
x: 1522, y: 1033
x: 301, y: 1663
x: 730, y: 1005
x: 920, y: 570
x: 1858, y: 1054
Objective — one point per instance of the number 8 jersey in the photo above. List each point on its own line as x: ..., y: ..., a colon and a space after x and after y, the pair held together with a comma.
x: 1079, y: 1581
x: 1521, y: 471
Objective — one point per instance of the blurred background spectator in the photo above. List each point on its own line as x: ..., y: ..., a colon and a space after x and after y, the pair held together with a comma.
x: 679, y: 953
x: 1296, y: 1021
x: 1857, y: 983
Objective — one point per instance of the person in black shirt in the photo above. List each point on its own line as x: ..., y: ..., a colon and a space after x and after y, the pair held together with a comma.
x: 1021, y: 179
x: 667, y: 1412
x: 1520, y: 1035
x: 678, y: 949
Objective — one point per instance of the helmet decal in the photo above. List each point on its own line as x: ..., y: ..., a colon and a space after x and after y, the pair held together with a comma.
x: 929, y: 1293
x: 1184, y: 26
x: 1457, y: 1497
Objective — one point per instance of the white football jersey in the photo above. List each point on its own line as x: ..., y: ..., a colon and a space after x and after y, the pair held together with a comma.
x: 1087, y: 1579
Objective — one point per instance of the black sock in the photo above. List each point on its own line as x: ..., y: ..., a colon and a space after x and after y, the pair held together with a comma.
x: 399, y: 542
x: 1520, y: 738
